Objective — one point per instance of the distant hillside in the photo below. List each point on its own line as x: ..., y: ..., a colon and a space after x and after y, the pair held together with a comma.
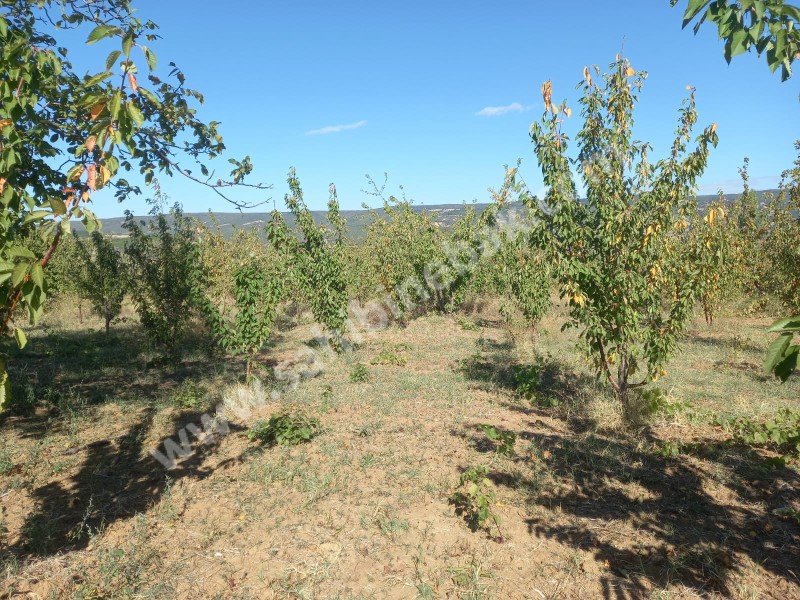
x: 357, y: 220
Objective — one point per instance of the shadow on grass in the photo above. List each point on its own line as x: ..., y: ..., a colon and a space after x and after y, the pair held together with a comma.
x: 67, y: 376
x: 116, y: 480
x: 734, y: 344
x: 652, y: 518
x: 690, y: 532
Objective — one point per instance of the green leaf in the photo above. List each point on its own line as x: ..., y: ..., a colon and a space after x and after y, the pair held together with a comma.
x: 101, y: 32
x: 135, y: 114
x: 90, y: 221
x: 19, y: 273
x: 738, y: 42
x: 5, y: 386
x: 36, y: 215
x: 20, y: 336
x: 695, y: 6
x: 37, y: 275
x: 150, y: 96
x: 788, y: 365
x: 776, y: 351
x: 127, y: 43
x: 112, y: 58
x: 58, y: 206
x: 150, y: 57
x: 21, y: 252
x: 785, y: 324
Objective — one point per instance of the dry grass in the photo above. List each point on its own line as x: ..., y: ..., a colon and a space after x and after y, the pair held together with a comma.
x: 589, y: 507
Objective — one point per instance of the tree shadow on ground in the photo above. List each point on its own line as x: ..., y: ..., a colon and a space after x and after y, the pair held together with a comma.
x: 117, y: 479
x: 655, y: 518
x: 67, y: 376
x: 491, y: 366
x: 692, y: 534
x: 736, y: 344
x: 118, y: 365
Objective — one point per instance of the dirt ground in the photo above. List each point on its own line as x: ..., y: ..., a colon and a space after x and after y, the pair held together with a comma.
x: 589, y: 506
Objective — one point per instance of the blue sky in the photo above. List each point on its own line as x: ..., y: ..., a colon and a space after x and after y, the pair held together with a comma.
x: 339, y: 90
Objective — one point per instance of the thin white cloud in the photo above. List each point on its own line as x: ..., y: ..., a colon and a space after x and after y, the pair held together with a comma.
x: 496, y: 111
x: 336, y: 128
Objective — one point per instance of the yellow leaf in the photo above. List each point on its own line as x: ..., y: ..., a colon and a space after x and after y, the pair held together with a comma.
x: 547, y: 95
x: 630, y: 72
x: 5, y: 123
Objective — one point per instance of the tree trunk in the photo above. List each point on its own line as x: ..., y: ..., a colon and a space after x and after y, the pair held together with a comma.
x: 622, y: 381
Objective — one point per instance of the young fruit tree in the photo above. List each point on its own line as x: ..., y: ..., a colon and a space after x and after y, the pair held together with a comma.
x: 709, y: 241
x: 619, y: 253
x: 66, y: 133
x: 237, y: 288
x: 524, y: 275
x: 161, y: 257
x: 103, y: 280
x: 317, y: 258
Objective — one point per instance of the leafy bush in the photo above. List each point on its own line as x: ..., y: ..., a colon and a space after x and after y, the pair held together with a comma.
x: 504, y: 440
x: 474, y: 498
x: 257, y: 292
x: 522, y: 274
x: 189, y: 396
x: 359, y: 373
x: 285, y: 429
x: 710, y: 247
x: 528, y: 383
x: 780, y: 434
x: 468, y: 324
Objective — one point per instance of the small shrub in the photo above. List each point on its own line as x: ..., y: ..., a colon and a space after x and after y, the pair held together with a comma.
x: 6, y: 462
x: 526, y: 380
x: 781, y: 433
x: 468, y: 324
x: 504, y: 440
x: 387, y: 356
x: 189, y: 396
x: 285, y: 429
x: 528, y: 383
x: 647, y: 403
x: 669, y: 449
x: 359, y: 373
x: 160, y: 257
x: 103, y: 279
x: 474, y: 498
